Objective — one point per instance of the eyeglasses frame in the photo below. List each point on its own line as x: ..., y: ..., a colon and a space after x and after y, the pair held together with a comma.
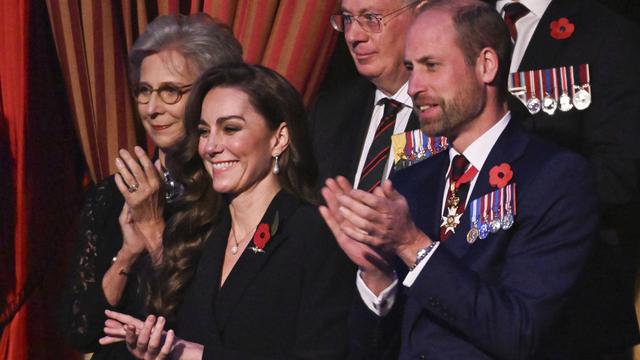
x: 379, y: 18
x: 181, y: 91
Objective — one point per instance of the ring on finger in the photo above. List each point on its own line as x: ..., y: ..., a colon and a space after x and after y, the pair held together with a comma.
x: 133, y: 188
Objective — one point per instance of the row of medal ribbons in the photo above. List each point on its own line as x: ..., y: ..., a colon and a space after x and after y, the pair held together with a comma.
x: 492, y: 212
x: 563, y: 88
x: 414, y: 146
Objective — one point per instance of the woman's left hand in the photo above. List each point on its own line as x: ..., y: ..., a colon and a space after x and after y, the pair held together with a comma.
x: 145, y: 340
x: 151, y: 342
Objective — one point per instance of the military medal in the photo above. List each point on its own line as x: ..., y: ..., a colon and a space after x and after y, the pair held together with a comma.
x: 494, y: 224
x: 510, y: 203
x: 582, y: 97
x: 483, y: 230
x: 517, y: 87
x: 414, y: 146
x: 440, y: 143
x: 474, y: 233
x: 549, y: 102
x: 507, y: 219
x: 565, y: 99
x: 533, y: 103
x: 451, y: 221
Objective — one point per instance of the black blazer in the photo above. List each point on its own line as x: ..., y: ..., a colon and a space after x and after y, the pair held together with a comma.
x: 339, y: 120
x: 606, y: 133
x: 289, y: 302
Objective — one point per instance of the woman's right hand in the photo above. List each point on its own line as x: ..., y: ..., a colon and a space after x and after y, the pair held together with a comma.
x: 140, y: 183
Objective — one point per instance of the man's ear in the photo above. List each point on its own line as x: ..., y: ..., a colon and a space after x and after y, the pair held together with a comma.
x: 280, y: 139
x: 487, y: 65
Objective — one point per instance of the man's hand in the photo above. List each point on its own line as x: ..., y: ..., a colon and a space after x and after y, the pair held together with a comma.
x: 377, y: 271
x: 381, y: 219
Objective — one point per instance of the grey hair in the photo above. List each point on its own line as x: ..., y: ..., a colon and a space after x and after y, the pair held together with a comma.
x: 202, y: 40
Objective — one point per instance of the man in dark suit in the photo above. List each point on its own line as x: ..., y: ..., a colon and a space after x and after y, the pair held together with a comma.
x: 491, y: 270
x: 344, y: 121
x: 605, y: 133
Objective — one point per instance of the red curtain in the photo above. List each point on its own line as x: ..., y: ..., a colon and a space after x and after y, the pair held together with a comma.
x: 39, y: 191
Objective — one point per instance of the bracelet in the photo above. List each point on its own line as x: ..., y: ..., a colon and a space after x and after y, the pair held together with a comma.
x: 422, y: 253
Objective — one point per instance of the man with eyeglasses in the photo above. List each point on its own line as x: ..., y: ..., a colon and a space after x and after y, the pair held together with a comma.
x: 352, y: 125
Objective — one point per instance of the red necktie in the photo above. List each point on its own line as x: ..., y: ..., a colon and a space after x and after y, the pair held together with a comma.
x: 376, y: 161
x: 460, y: 178
x: 512, y: 13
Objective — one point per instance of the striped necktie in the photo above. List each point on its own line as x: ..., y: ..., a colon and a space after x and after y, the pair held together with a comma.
x: 373, y: 169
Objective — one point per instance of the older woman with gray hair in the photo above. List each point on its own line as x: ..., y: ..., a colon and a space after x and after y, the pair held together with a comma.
x: 112, y: 268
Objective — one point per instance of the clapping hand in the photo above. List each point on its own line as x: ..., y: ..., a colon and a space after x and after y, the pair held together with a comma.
x: 145, y: 340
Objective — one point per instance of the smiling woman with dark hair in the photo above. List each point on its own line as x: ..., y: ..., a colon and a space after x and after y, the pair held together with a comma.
x: 249, y: 271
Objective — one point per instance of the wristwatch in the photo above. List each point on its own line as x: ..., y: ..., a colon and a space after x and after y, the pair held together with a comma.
x: 422, y: 253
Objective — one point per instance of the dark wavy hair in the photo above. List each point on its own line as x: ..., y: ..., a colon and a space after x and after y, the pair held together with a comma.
x: 200, y: 207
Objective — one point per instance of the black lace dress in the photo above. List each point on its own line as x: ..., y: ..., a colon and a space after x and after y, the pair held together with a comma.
x: 99, y: 239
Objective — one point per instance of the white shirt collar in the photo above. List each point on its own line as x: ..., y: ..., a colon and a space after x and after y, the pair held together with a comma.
x: 479, y: 150
x: 401, y: 96
x: 537, y: 7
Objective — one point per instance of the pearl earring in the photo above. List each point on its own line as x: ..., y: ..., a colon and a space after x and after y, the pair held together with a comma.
x: 276, y: 166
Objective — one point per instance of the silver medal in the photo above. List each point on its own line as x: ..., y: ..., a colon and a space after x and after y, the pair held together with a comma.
x: 534, y: 105
x: 494, y: 225
x: 565, y: 102
x: 582, y: 98
x: 549, y: 104
x: 507, y: 220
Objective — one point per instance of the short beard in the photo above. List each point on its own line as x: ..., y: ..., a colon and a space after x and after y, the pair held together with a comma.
x: 459, y: 111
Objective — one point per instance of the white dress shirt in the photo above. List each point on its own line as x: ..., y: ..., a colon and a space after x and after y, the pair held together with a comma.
x: 525, y: 26
x: 402, y: 119
x: 477, y: 154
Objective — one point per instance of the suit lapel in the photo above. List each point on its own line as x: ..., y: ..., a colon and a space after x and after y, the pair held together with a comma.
x: 508, y: 149
x: 413, y: 123
x: 543, y: 50
x: 250, y: 263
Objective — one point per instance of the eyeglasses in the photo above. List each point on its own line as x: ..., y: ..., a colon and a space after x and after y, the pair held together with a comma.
x: 368, y: 22
x: 169, y: 94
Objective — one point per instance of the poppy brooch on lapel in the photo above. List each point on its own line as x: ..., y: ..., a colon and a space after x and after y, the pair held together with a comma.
x: 263, y: 235
x: 500, y: 175
x: 562, y: 29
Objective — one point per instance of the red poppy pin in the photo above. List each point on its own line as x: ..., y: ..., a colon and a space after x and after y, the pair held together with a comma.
x: 263, y: 234
x: 500, y: 175
x: 561, y: 29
